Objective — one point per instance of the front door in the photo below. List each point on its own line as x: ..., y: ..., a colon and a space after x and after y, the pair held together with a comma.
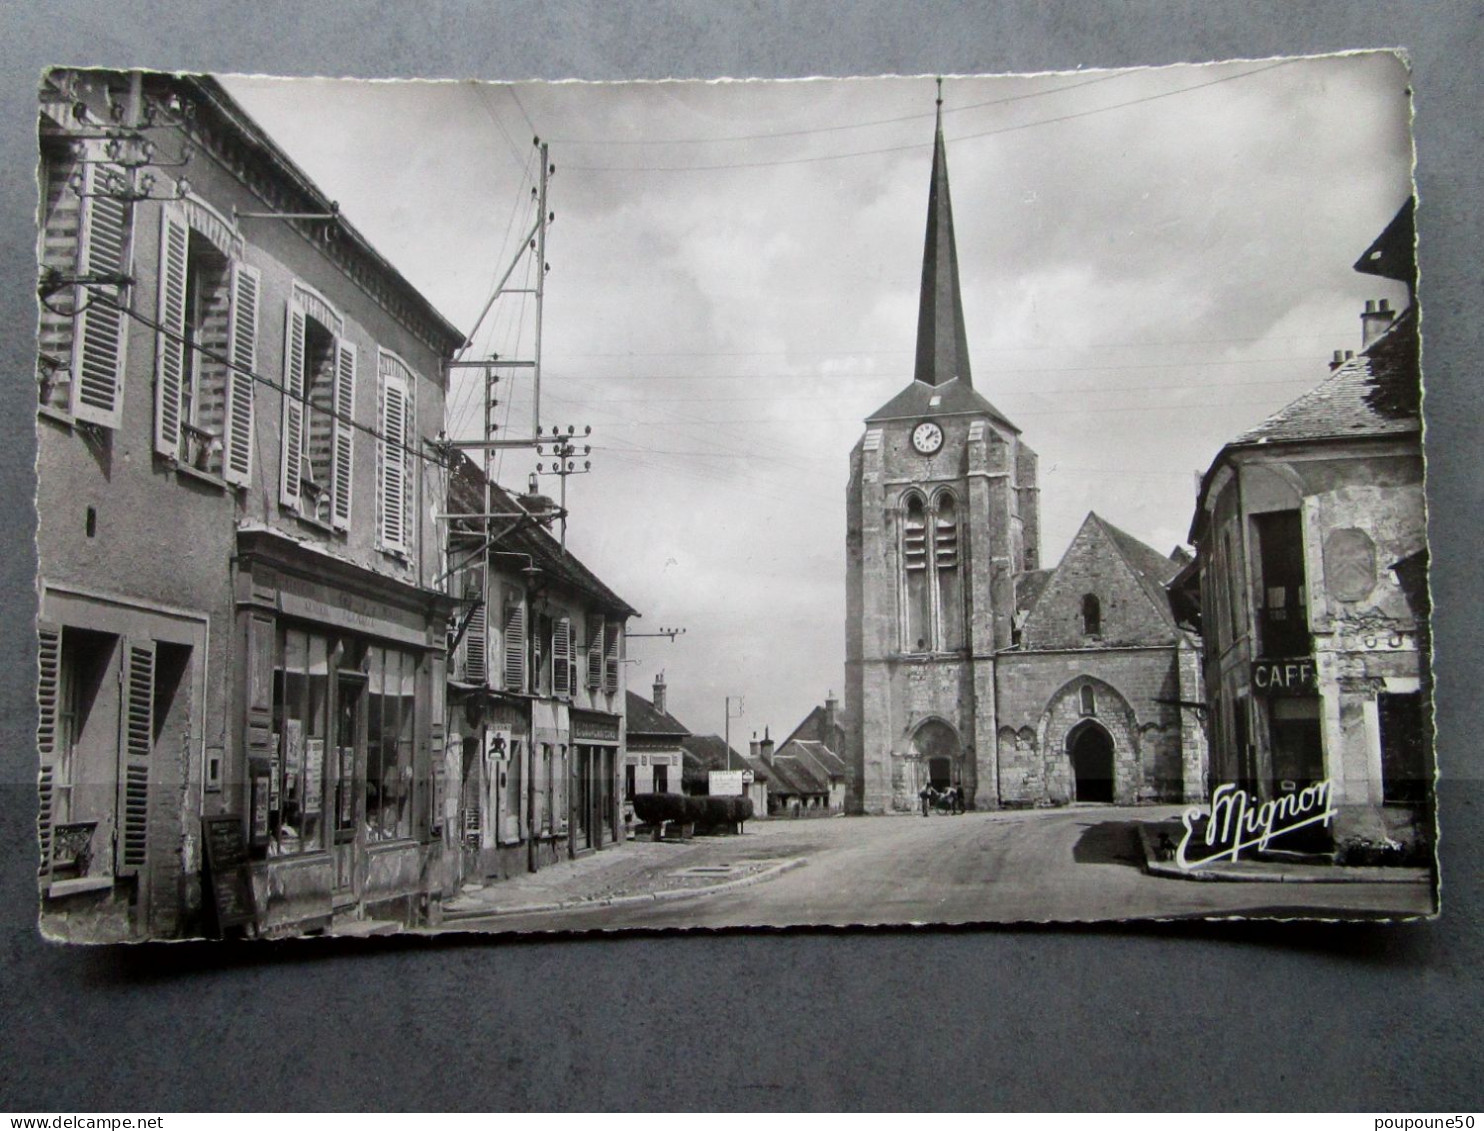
x: 350, y: 779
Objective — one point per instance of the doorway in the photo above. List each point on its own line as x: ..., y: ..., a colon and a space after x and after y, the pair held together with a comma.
x: 1091, y: 749
x: 350, y: 776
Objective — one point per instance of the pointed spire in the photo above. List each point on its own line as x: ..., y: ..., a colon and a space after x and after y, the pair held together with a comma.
x: 942, y: 345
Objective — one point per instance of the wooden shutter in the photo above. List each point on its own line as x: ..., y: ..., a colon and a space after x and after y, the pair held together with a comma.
x: 136, y: 742
x: 515, y: 646
x: 243, y: 353
x: 292, y: 435
x: 476, y: 635
x: 102, y: 330
x: 409, y: 466
x: 48, y: 703
x: 342, y: 453
x: 594, y: 653
x: 172, y: 361
x: 393, y: 485
x: 561, y: 657
x: 611, y: 656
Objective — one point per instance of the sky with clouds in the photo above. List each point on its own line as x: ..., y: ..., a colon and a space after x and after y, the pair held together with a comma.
x: 1152, y: 261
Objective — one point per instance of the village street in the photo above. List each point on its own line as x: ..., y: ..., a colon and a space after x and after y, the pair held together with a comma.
x: 1080, y: 863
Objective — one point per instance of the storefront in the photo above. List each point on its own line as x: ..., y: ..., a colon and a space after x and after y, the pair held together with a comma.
x: 596, y: 746
x: 341, y: 704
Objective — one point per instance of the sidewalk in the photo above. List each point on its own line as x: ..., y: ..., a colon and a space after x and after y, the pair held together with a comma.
x: 632, y: 872
x: 1264, y: 871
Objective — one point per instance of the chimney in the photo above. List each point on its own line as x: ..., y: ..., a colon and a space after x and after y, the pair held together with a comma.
x: 1375, y: 321
x: 754, y: 745
x: 765, y: 748
x: 659, y: 693
x: 831, y: 719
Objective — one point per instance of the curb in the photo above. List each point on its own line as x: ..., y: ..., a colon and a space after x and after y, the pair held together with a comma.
x: 624, y: 900
x: 1225, y: 874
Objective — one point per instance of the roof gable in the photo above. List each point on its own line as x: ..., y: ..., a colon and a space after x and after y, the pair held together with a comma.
x: 1127, y: 577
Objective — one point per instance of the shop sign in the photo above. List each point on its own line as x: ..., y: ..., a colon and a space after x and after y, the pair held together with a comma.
x: 1280, y: 677
x: 1238, y: 821
x: 226, y: 871
x: 594, y: 728
x: 309, y: 600
x: 726, y: 783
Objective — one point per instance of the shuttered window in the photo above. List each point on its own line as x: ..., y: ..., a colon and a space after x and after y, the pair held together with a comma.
x: 171, y: 358
x: 476, y: 635
x: 396, y: 477
x: 238, y: 430
x: 514, y: 642
x: 49, y: 710
x: 563, y: 670
x: 344, y: 435
x: 136, y: 742
x: 292, y: 433
x: 101, y: 333
x: 594, y: 653
x: 611, y: 657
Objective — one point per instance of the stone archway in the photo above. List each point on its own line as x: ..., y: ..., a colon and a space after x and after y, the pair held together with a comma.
x: 939, y: 753
x: 1090, y: 749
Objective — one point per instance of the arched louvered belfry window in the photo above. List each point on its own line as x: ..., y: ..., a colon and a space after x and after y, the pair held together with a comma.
x: 947, y: 574
x: 917, y: 625
x: 1092, y: 616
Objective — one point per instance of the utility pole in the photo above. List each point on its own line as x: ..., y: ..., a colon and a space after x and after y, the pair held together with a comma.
x: 741, y: 710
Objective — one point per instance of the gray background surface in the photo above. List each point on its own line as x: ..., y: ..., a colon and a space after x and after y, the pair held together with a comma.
x: 1238, y: 1015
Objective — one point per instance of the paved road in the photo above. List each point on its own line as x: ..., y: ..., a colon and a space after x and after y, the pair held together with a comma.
x: 1064, y: 865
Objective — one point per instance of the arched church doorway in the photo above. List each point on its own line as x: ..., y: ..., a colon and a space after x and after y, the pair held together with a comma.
x: 937, y: 749
x: 1091, y: 750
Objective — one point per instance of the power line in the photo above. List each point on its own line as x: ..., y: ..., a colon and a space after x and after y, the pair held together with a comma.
x: 919, y: 145
x: 522, y: 109
x: 835, y: 129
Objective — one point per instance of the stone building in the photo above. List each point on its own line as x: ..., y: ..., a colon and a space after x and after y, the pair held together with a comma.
x: 240, y: 610
x: 1310, y: 535
x: 966, y: 664
x: 536, y: 721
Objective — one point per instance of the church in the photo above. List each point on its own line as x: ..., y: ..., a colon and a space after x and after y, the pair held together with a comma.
x: 969, y: 665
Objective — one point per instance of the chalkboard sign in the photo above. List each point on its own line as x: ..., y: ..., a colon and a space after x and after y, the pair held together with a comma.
x: 226, y: 872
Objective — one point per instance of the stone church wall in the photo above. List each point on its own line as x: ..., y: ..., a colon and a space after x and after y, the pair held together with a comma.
x: 1093, y: 565
x: 1039, y: 699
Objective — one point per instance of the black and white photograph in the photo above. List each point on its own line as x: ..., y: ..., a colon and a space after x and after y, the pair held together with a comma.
x: 575, y: 506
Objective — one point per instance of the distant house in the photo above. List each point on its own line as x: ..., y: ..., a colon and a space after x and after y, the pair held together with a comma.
x: 809, y: 773
x: 655, y: 760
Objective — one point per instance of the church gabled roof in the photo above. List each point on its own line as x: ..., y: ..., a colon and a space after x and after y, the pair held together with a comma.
x: 941, y: 369
x: 1150, y: 569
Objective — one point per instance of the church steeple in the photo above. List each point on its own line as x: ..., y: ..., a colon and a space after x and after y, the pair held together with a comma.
x: 942, y: 345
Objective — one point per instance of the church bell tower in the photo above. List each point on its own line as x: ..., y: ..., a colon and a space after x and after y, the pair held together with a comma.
x: 941, y: 518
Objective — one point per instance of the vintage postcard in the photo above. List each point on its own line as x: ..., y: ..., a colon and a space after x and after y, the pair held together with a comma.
x: 573, y: 506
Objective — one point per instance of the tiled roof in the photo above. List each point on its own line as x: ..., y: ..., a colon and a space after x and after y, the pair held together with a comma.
x: 813, y: 729
x: 710, y: 751
x: 1375, y: 394
x: 790, y: 776
x: 641, y: 717
x: 466, y: 496
x: 818, y: 755
x: 955, y: 398
x: 1152, y: 569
